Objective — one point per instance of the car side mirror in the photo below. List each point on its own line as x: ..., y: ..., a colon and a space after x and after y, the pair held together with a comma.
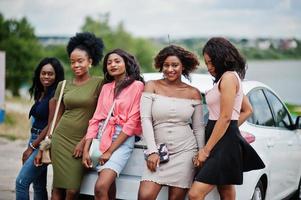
x: 298, y: 123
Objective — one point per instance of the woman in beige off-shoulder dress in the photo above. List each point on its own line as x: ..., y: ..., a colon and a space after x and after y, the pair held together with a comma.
x: 168, y: 107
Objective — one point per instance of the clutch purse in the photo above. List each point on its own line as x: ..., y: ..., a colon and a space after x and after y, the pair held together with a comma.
x: 162, y: 151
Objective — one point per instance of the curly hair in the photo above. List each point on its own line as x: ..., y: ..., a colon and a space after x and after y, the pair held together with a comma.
x: 224, y: 57
x: 37, y: 88
x: 188, y: 59
x: 89, y: 43
x: 132, y: 68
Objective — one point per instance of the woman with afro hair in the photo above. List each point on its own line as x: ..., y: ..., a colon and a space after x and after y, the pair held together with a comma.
x: 168, y: 107
x: 77, y: 107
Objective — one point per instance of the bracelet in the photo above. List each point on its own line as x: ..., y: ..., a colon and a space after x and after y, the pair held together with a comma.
x: 31, y: 146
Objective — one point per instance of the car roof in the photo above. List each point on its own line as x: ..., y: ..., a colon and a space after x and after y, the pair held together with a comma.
x: 204, y: 82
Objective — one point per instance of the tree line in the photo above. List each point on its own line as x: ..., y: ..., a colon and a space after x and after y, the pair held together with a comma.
x: 24, y: 51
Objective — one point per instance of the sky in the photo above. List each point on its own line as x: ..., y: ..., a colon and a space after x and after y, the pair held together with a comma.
x: 159, y: 18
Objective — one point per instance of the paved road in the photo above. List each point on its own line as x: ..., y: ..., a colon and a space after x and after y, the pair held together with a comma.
x: 10, y: 164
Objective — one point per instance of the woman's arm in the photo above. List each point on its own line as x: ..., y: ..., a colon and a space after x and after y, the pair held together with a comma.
x: 52, y: 106
x: 228, y: 88
x: 132, y: 124
x: 86, y: 160
x: 146, y: 104
x: 246, y: 110
x: 119, y: 140
x: 198, y: 124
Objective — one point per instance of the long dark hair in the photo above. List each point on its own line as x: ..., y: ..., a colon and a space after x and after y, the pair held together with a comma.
x: 37, y: 88
x: 132, y: 68
x: 224, y: 57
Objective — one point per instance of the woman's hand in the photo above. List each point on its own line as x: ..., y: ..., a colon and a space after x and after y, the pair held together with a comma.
x: 86, y: 160
x: 78, y: 150
x: 105, y: 157
x: 201, y: 158
x: 153, y: 161
x: 38, y: 159
x: 26, y: 154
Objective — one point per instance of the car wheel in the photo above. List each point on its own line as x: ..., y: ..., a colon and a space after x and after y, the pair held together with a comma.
x: 258, y: 192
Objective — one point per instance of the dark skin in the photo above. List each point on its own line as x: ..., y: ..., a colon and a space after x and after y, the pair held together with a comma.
x: 47, y: 78
x: 52, y: 105
x: 228, y: 88
x: 105, y: 187
x: 170, y: 86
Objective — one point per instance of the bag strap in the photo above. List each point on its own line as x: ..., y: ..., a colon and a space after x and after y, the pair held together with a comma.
x: 57, y: 108
x: 108, y: 117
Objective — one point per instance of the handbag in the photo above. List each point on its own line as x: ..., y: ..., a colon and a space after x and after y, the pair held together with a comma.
x: 94, y: 151
x: 46, y: 143
x: 162, y: 151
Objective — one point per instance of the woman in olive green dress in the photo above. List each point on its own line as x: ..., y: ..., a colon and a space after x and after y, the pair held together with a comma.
x: 78, y: 105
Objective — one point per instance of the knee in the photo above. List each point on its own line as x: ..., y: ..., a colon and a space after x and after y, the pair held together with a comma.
x: 21, y: 183
x: 194, y: 194
x: 101, y: 190
x: 226, y: 192
x: 144, y: 194
x: 71, y: 193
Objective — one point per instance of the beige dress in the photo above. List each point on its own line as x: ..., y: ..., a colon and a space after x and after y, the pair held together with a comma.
x: 167, y: 120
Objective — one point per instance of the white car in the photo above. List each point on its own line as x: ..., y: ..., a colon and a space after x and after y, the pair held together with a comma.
x: 270, y: 130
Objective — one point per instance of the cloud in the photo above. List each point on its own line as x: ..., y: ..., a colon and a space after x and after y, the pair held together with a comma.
x: 153, y: 18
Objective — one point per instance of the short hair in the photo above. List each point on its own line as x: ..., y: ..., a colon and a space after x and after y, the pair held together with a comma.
x: 224, y: 57
x: 37, y: 88
x: 132, y: 68
x: 188, y: 59
x: 89, y: 43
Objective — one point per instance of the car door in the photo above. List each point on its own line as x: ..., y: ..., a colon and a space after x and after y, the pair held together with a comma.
x: 264, y: 129
x: 289, y: 146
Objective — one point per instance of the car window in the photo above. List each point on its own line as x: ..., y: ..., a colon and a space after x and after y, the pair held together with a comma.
x: 282, y: 118
x: 262, y: 114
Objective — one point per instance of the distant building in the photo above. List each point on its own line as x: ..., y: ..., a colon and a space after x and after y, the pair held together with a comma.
x: 264, y: 44
x: 53, y: 40
x: 288, y: 44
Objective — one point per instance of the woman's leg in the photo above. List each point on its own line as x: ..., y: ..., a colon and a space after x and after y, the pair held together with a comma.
x: 148, y: 190
x: 199, y: 190
x: 58, y: 194
x: 112, y: 191
x: 27, y: 175
x: 71, y: 194
x: 105, y: 181
x: 40, y: 185
x: 226, y: 192
x: 176, y: 193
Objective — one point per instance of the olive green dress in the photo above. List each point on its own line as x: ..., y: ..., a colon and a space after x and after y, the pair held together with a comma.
x: 80, y: 103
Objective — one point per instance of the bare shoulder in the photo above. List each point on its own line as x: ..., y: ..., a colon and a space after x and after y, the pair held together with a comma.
x: 195, y: 93
x: 228, y: 78
x: 150, y: 86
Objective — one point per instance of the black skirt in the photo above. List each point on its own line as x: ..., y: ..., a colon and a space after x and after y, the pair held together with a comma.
x: 231, y: 156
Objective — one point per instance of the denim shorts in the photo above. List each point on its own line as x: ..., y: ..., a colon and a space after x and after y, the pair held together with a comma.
x: 120, y: 156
